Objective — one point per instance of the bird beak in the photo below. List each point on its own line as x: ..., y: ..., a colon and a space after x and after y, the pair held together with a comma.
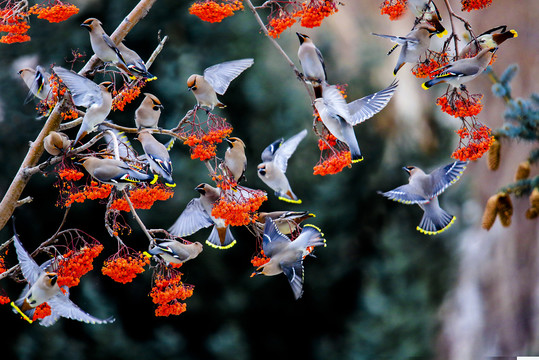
x: 200, y: 189
x: 405, y: 168
x: 85, y: 26
x: 301, y: 38
x: 230, y: 143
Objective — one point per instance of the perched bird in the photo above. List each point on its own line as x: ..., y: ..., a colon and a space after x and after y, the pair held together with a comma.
x: 148, y: 113
x: 135, y: 65
x: 287, y: 256
x: 487, y: 40
x: 274, y: 163
x: 43, y: 288
x: 424, y: 189
x: 97, y: 99
x: 37, y: 81
x: 414, y: 45
x: 215, y: 81
x: 102, y: 45
x: 235, y: 159
x: 458, y: 72
x: 158, y: 156
x: 176, y: 252
x: 197, y: 215
x: 312, y: 63
x: 427, y: 10
x: 115, y: 172
x: 286, y: 221
x: 56, y: 143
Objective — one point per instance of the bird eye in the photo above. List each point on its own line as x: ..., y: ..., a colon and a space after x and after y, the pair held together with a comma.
x: 194, y: 88
x: 156, y: 108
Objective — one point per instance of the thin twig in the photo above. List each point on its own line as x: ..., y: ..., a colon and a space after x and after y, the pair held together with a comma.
x: 135, y: 215
x: 156, y: 52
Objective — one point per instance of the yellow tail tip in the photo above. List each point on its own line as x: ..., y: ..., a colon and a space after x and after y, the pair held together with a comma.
x: 358, y: 160
x: 20, y: 312
x: 221, y: 247
x: 147, y: 254
x: 151, y: 79
x: 154, y: 180
x: 438, y: 231
x: 170, y: 185
x: 298, y: 201
x: 514, y: 32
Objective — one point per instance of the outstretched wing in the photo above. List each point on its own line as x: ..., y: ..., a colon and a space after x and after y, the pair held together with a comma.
x: 286, y: 150
x: 30, y: 269
x: 62, y: 306
x: 405, y: 194
x: 366, y: 107
x: 294, y: 274
x: 269, y: 151
x: 192, y: 219
x: 273, y: 240
x: 334, y: 103
x: 83, y: 91
x: 221, y: 75
x: 442, y: 178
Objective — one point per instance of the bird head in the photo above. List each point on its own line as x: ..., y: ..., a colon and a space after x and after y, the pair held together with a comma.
x: 261, y: 169
x: 409, y: 169
x: 428, y: 27
x: 90, y: 24
x: 234, y: 141
x: 192, y: 82
x: 302, y: 38
x: 500, y: 38
x: 107, y: 85
x: 201, y: 188
x: 156, y: 104
x: 51, y: 278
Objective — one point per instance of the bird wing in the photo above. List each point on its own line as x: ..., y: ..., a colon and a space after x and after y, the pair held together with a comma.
x: 442, y: 178
x: 30, y: 269
x: 366, y: 107
x: 405, y: 194
x: 461, y: 67
x: 334, y: 102
x: 269, y: 151
x: 113, y: 46
x: 294, y: 274
x: 321, y: 58
x: 221, y: 75
x: 83, y: 91
x: 273, y: 240
x: 192, y: 219
x: 62, y: 306
x: 164, y: 164
x: 287, y: 148
x: 401, y: 40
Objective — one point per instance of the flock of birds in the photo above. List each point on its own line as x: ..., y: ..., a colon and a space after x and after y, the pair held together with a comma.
x: 338, y: 116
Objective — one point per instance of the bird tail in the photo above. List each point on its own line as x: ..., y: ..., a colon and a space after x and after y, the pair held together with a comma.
x: 428, y: 84
x: 19, y: 308
x: 221, y: 238
x: 289, y: 196
x: 435, y: 220
x: 314, y: 236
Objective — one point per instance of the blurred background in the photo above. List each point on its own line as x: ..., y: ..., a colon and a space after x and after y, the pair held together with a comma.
x: 380, y: 289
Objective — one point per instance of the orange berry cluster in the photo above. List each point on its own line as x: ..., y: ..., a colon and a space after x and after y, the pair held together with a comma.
x: 124, y: 268
x: 3, y: 267
x: 127, y: 93
x: 239, y: 211
x: 459, y: 106
x: 279, y: 24
x: 333, y: 164
x: 70, y: 174
x: 54, y: 13
x: 92, y: 192
x: 166, y: 293
x: 330, y: 142
x: 58, y: 89
x: 259, y: 260
x: 394, y: 8
x: 479, y: 140
x: 203, y: 144
x: 212, y: 11
x: 15, y: 23
x: 69, y: 114
x: 225, y: 182
x: 314, y: 11
x: 75, y: 264
x: 469, y: 5
x: 4, y: 300
x: 41, y: 311
x: 143, y: 198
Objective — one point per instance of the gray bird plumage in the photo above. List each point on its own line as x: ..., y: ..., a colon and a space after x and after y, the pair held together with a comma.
x: 272, y: 170
x: 158, y: 156
x: 424, y: 189
x: 58, y: 301
x: 286, y: 256
x: 176, y: 252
